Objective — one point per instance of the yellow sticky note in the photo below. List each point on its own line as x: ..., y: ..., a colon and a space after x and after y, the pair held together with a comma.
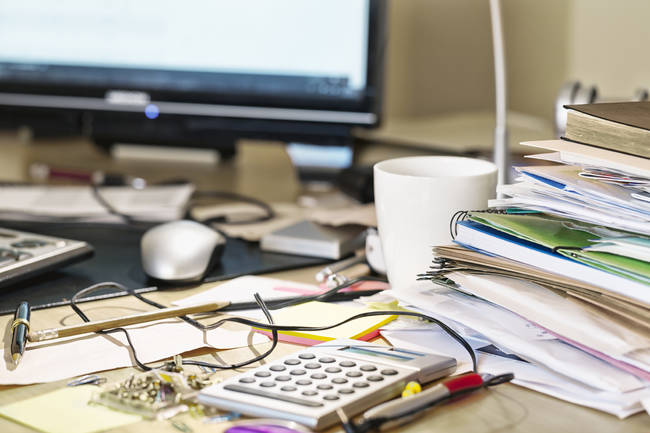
x: 322, y: 314
x: 66, y: 411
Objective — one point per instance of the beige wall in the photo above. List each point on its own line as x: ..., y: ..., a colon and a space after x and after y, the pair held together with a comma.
x: 440, y: 52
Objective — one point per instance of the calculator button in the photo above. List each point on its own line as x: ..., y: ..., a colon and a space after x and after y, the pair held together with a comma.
x: 262, y: 374
x: 347, y: 363
x: 389, y: 372
x: 353, y: 374
x: 272, y: 395
x: 346, y: 391
x: 339, y: 380
x: 267, y: 384
x: 375, y: 378
x: 277, y: 368
x: 303, y: 382
x: 283, y: 378
x: 331, y: 397
x: 288, y: 388
x: 309, y: 393
x: 297, y: 372
x: 246, y: 380
x: 360, y: 385
x: 327, y: 360
x: 318, y: 376
x: 368, y: 367
x: 292, y: 361
x: 306, y: 356
x: 324, y: 386
x: 332, y: 370
x: 312, y: 365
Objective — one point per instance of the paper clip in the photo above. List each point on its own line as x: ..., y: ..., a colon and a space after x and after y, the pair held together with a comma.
x: 181, y: 426
x: 222, y: 418
x: 89, y: 379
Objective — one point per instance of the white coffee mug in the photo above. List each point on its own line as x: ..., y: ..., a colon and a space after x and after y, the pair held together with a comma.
x: 415, y: 199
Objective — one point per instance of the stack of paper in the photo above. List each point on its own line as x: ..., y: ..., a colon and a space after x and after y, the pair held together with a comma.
x: 556, y: 275
x: 79, y: 203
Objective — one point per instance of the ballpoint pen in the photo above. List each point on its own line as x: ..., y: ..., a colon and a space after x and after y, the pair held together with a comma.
x: 19, y: 329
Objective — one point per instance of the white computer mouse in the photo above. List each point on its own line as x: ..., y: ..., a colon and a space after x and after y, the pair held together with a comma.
x: 180, y: 251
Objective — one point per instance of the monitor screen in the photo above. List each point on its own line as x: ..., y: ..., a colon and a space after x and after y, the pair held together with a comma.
x: 302, y: 62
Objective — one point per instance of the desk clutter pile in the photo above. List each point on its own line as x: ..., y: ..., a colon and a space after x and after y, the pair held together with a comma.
x: 557, y: 273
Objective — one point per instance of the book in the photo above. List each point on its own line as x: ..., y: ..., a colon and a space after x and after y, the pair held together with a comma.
x: 619, y: 126
x: 325, y: 314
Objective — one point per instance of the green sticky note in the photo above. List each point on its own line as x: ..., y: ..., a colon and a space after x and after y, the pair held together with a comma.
x: 66, y: 411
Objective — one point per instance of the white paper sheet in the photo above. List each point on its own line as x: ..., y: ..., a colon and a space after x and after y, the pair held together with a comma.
x: 526, y: 374
x: 243, y: 288
x: 511, y: 332
x: 561, y: 315
x: 49, y: 361
x: 155, y: 203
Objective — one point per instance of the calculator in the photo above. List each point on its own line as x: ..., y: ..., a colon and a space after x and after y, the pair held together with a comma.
x: 24, y: 254
x: 309, y: 386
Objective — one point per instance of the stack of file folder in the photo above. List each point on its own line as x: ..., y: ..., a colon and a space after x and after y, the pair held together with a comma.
x: 557, y: 273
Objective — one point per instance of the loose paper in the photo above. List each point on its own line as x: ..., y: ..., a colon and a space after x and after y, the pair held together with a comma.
x: 66, y: 411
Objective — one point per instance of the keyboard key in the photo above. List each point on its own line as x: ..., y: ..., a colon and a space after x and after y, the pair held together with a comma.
x: 306, y: 356
x: 292, y: 361
x: 277, y: 368
x: 347, y: 364
x: 283, y: 378
x: 288, y: 388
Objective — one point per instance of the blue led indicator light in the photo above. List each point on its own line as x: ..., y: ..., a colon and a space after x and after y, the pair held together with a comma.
x: 151, y: 111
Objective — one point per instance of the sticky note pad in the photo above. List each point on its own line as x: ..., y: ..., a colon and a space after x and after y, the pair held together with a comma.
x: 324, y: 314
x: 66, y: 411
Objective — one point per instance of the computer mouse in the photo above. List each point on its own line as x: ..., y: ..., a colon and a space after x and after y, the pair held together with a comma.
x: 180, y: 251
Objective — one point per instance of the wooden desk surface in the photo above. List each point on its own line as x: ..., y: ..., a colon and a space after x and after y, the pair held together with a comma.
x: 264, y: 171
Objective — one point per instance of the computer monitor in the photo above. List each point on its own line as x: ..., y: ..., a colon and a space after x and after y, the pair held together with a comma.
x: 193, y: 72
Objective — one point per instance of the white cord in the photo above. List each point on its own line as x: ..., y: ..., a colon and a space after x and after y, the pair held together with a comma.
x: 501, y: 152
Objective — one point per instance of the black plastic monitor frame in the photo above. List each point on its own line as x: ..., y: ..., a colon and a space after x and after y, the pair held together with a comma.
x: 115, y: 113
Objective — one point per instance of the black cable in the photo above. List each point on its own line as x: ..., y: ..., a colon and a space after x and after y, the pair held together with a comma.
x: 271, y: 326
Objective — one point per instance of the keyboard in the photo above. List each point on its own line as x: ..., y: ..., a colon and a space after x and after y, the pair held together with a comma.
x: 23, y: 254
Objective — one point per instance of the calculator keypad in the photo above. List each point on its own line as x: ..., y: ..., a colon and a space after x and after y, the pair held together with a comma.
x: 329, y: 380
